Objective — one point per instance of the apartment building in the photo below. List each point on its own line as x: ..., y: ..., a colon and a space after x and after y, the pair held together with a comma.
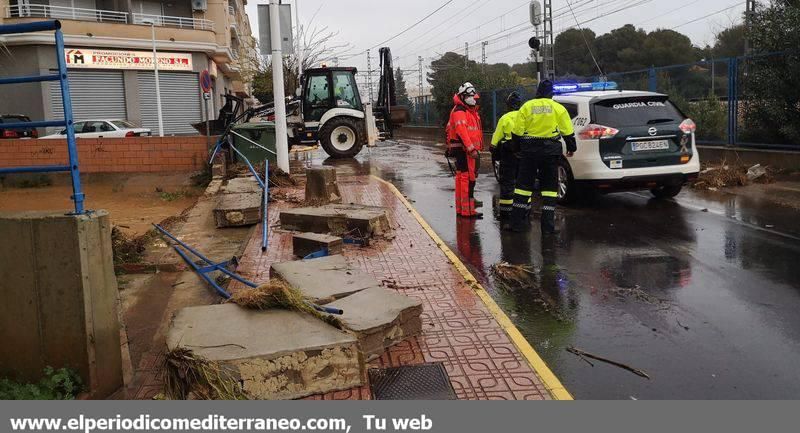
x: 110, y: 61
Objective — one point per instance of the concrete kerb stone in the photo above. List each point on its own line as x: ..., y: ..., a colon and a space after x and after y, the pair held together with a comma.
x: 338, y: 220
x: 241, y: 185
x: 277, y: 354
x: 304, y: 244
x: 380, y: 318
x: 238, y: 209
x: 324, y: 279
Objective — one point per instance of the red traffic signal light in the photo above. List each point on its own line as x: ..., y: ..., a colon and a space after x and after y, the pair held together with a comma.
x: 534, y: 43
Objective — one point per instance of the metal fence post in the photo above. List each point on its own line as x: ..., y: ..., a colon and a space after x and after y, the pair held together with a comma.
x: 652, y: 81
x: 494, y: 108
x: 732, y: 100
x: 427, y: 111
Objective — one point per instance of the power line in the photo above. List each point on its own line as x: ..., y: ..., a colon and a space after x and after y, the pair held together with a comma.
x: 585, y: 41
x: 706, y: 16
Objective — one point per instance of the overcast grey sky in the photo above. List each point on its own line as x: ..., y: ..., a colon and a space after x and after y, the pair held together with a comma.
x: 365, y: 24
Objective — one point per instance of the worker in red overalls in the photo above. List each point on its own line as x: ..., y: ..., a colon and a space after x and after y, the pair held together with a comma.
x: 464, y: 142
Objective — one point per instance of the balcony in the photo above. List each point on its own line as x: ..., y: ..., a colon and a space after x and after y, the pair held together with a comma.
x: 61, y: 12
x: 179, y: 22
x: 105, y: 16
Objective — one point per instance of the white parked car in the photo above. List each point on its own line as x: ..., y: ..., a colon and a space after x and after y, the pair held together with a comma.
x: 113, y: 128
x: 627, y: 140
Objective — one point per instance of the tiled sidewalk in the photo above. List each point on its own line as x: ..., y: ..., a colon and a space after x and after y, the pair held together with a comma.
x: 458, y: 327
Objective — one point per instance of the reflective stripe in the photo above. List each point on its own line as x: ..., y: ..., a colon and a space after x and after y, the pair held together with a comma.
x: 522, y: 192
x: 522, y: 206
x: 504, y: 201
x: 552, y: 208
x: 553, y: 194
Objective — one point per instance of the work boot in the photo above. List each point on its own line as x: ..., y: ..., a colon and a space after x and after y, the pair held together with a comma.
x: 476, y: 215
x: 478, y: 203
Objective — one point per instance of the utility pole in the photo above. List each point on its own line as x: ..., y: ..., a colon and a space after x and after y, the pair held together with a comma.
x: 369, y: 76
x: 281, y: 134
x: 483, y: 51
x: 420, y: 76
x: 547, y: 43
x: 466, y: 54
x: 300, y: 46
x: 750, y: 9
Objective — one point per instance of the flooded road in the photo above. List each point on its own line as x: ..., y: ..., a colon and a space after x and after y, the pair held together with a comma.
x: 133, y: 200
x: 701, y: 292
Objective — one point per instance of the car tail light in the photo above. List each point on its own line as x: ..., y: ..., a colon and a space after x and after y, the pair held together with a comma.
x: 595, y: 132
x: 130, y: 134
x: 10, y: 134
x: 685, y: 159
x: 688, y: 126
x: 34, y: 133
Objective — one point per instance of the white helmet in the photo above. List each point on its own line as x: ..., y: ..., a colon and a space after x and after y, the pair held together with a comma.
x: 467, y: 89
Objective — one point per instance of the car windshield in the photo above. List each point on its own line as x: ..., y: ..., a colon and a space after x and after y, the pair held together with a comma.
x: 122, y: 124
x: 636, y: 111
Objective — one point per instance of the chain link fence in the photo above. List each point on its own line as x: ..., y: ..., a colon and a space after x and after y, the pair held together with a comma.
x: 728, y: 99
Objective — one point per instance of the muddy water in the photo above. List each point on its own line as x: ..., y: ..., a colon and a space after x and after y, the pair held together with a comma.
x: 133, y: 201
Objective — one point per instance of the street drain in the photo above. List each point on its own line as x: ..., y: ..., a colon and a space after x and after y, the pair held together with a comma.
x: 411, y: 382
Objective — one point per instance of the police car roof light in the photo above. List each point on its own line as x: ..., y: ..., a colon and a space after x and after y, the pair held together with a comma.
x: 567, y: 87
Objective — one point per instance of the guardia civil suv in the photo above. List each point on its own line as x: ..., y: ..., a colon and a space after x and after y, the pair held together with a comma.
x: 627, y: 140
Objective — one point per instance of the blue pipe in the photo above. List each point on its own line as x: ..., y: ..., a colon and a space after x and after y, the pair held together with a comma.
x: 36, y: 124
x: 250, y: 166
x: 38, y: 26
x: 181, y: 243
x: 35, y: 169
x: 222, y: 292
x: 31, y: 79
x: 216, y: 149
x: 265, y: 216
x: 72, y: 148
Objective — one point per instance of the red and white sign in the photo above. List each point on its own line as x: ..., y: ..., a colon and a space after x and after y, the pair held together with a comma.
x: 81, y: 58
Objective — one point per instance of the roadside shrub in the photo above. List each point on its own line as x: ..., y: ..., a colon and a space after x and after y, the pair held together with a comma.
x: 711, y: 117
x: 61, y: 384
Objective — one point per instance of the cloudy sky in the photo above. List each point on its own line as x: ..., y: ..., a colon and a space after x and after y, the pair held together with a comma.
x: 503, y: 23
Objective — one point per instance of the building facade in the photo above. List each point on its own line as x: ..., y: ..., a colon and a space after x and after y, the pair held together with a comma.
x: 110, y: 61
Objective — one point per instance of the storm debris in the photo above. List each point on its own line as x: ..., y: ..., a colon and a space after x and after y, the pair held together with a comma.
x: 189, y: 375
x: 583, y: 355
x: 514, y: 276
x: 276, y: 294
x: 728, y: 175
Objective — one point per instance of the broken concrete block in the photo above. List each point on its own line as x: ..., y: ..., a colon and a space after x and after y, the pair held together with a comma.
x: 338, y: 220
x: 324, y: 279
x: 277, y: 354
x: 380, y: 318
x: 304, y: 244
x: 241, y: 185
x: 321, y: 187
x: 235, y: 210
x: 756, y: 172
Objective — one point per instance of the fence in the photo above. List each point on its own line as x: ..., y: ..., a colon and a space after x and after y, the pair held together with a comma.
x: 725, y: 97
x: 66, y: 122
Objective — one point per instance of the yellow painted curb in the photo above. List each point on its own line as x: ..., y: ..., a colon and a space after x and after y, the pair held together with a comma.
x: 550, y: 381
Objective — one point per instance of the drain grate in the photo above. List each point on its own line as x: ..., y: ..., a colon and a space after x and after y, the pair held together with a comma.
x: 411, y: 382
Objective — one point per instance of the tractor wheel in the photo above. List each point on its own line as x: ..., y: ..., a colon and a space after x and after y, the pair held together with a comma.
x: 341, y: 137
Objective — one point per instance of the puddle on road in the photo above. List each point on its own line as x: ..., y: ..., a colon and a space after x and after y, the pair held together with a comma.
x: 133, y: 201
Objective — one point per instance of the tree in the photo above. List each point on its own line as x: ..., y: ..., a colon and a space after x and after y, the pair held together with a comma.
x: 571, y: 54
x: 621, y: 49
x: 400, y: 86
x: 667, y: 47
x: 730, y: 42
x: 771, y: 84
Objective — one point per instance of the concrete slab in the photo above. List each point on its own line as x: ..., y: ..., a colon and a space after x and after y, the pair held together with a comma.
x: 241, y: 185
x: 380, y: 318
x: 237, y: 210
x: 324, y: 279
x: 338, y: 219
x: 304, y: 244
x: 277, y: 354
x: 321, y: 187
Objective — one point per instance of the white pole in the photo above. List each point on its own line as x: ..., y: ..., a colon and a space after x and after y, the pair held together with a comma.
x: 281, y: 135
x: 158, y: 87
x: 299, y: 43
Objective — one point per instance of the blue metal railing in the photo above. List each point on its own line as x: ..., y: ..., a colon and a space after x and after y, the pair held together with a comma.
x: 43, y: 26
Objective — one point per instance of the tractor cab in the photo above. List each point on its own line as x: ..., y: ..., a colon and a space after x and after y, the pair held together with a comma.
x: 328, y: 88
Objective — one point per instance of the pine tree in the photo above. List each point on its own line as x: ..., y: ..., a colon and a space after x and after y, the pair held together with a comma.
x: 400, y: 88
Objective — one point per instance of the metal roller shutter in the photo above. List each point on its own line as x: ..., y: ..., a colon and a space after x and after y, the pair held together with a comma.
x: 180, y: 101
x: 95, y: 95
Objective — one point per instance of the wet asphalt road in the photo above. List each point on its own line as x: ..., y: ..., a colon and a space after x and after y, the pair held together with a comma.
x: 700, y: 292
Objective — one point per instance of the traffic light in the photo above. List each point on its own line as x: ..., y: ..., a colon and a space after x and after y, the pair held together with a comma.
x: 534, y: 43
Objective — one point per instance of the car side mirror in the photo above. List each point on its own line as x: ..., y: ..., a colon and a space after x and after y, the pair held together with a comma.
x: 298, y: 92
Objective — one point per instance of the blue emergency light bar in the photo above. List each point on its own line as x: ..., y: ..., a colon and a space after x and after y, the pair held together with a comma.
x: 562, y: 88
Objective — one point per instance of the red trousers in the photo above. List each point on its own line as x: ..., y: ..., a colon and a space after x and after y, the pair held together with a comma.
x: 466, y: 172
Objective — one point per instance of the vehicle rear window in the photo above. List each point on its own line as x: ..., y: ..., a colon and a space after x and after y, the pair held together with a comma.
x: 10, y: 119
x: 123, y: 124
x: 636, y: 111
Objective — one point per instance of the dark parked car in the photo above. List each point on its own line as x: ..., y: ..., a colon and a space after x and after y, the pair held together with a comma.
x: 16, y: 133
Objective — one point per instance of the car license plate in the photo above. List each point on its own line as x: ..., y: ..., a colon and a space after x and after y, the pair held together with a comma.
x: 650, y: 145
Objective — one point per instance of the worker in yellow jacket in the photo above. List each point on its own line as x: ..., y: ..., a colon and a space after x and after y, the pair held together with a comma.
x: 502, y: 151
x: 538, y: 130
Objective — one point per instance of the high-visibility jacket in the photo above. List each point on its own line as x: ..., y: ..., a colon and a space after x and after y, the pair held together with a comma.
x: 464, y: 127
x: 504, y: 128
x: 543, y: 118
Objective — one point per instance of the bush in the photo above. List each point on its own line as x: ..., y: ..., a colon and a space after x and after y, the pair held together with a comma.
x: 711, y: 117
x: 61, y: 384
